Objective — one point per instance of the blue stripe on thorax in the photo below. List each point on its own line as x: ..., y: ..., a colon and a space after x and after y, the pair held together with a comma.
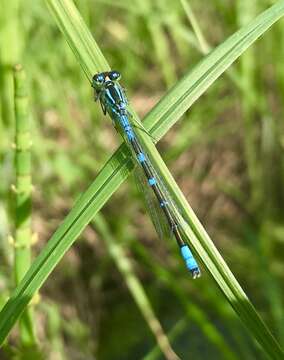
x: 109, y: 96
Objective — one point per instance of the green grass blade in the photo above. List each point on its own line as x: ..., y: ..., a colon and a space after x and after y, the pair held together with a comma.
x: 159, y: 120
x: 192, y: 311
x: 204, y: 47
x: 187, y: 90
x: 248, y: 65
x: 78, y: 36
x: 177, y: 330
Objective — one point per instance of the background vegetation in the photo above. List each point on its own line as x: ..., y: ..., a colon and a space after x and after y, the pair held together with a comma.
x: 226, y: 155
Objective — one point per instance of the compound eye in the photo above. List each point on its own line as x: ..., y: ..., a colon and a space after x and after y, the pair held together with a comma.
x: 98, y: 79
x: 114, y: 75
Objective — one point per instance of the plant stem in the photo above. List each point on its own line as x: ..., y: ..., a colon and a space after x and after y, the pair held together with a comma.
x: 23, y: 234
x: 246, y: 12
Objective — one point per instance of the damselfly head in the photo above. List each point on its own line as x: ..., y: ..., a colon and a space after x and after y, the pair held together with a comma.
x: 98, y: 80
x: 104, y: 77
x: 114, y: 75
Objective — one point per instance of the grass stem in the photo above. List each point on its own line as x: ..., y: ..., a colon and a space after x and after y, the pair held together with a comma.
x: 22, y: 189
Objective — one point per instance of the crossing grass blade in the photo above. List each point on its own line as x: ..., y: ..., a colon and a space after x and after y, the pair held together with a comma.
x: 171, y: 107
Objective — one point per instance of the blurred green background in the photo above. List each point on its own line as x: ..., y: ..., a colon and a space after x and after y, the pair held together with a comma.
x: 226, y: 154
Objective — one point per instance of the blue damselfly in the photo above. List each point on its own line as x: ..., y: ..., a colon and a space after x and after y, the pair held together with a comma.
x: 114, y: 102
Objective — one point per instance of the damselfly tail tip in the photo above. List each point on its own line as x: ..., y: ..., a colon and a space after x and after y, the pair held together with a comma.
x: 190, y: 262
x: 196, y: 273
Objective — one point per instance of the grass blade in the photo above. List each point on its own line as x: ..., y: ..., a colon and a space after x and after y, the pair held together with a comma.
x: 78, y: 37
x: 204, y: 47
x: 158, y: 121
x: 178, y: 329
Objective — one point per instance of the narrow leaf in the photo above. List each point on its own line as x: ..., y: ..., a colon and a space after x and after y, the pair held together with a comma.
x: 158, y: 121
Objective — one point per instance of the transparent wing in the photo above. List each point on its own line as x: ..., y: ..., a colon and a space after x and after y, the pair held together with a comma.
x: 152, y: 205
x: 151, y: 202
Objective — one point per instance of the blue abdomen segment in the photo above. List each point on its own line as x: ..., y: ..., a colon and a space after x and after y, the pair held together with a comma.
x: 127, y: 128
x: 141, y: 157
x: 190, y: 262
x: 152, y: 181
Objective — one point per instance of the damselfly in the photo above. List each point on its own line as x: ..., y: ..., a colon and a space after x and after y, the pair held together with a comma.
x: 169, y: 220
